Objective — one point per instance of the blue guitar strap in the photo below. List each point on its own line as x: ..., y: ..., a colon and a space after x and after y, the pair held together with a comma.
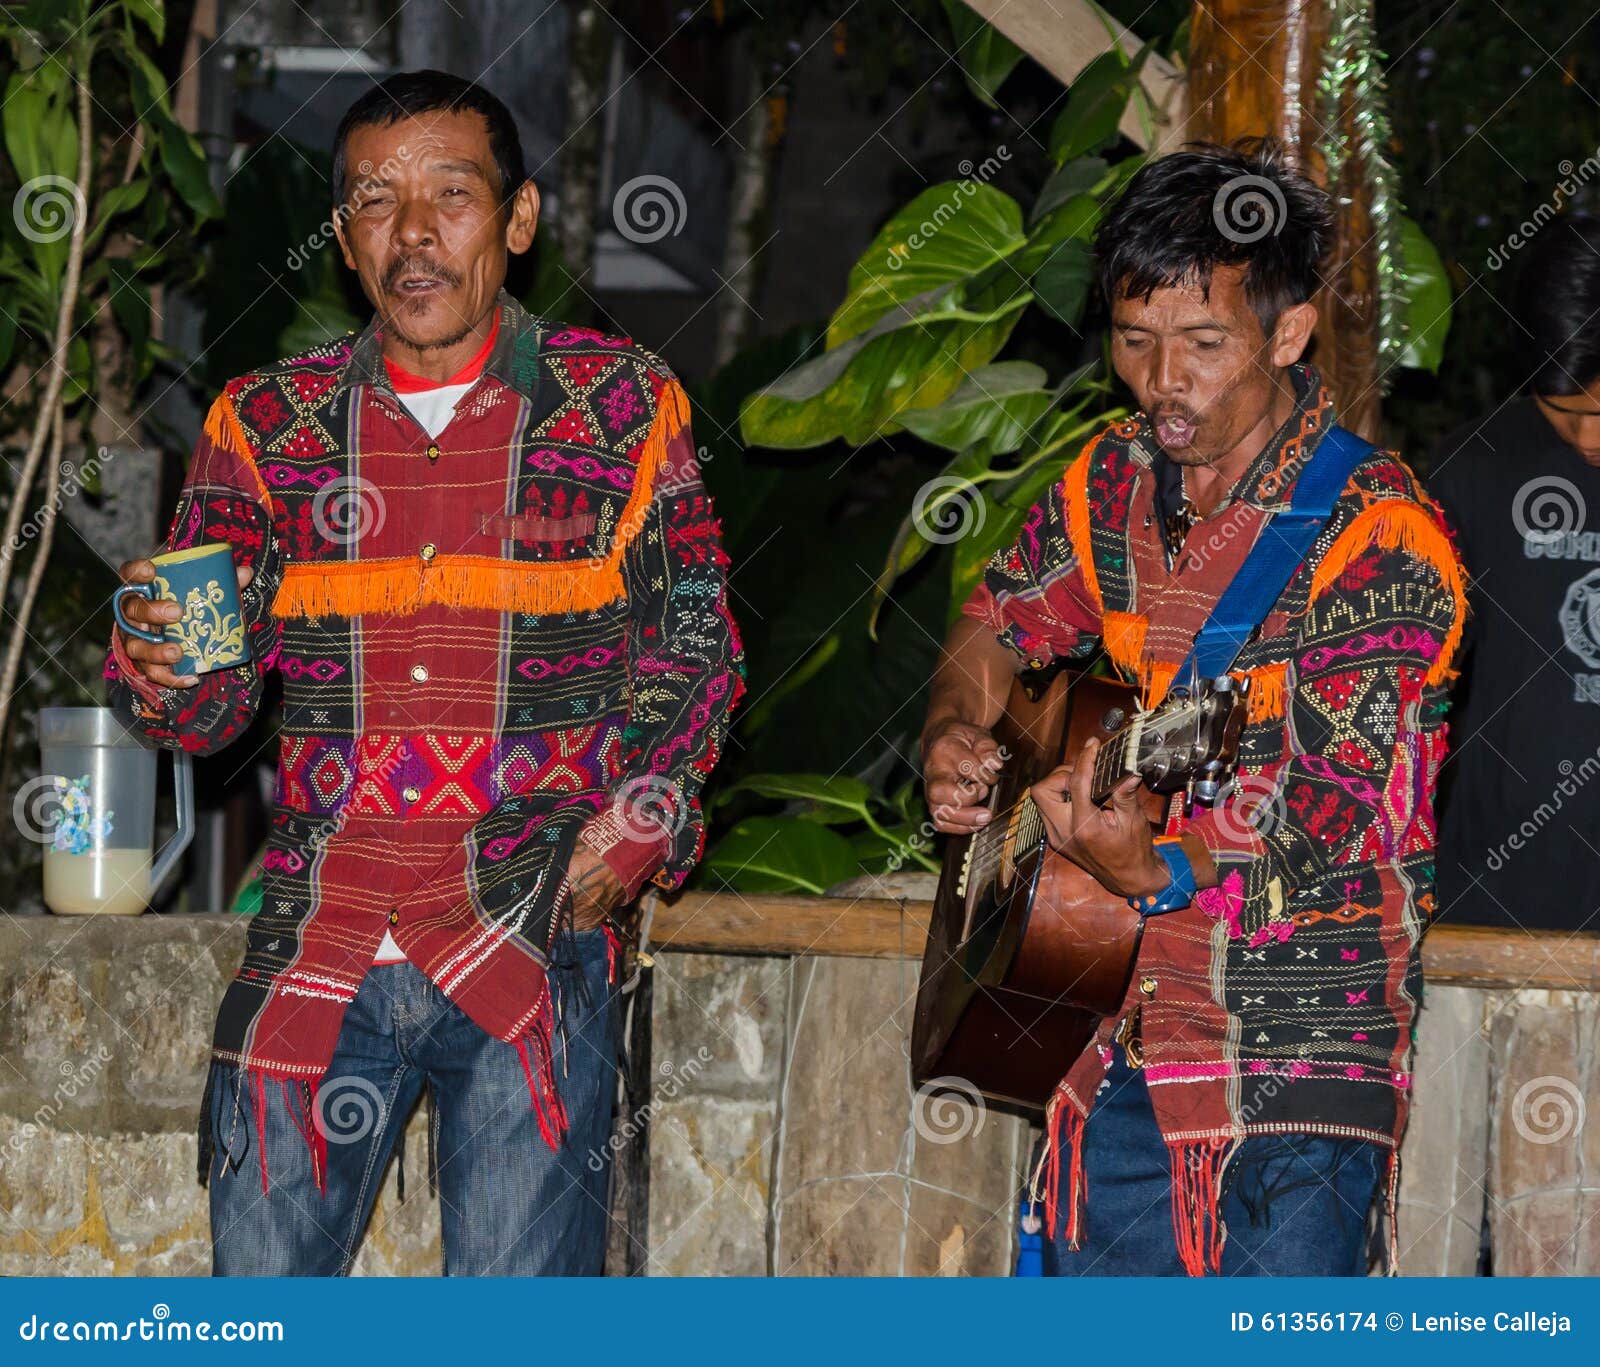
x: 1282, y: 544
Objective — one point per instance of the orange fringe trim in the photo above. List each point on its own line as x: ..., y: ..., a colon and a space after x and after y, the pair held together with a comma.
x: 222, y: 426
x: 1075, y: 498
x: 1124, y: 635
x: 1396, y: 524
x: 1269, y: 692
x: 402, y: 584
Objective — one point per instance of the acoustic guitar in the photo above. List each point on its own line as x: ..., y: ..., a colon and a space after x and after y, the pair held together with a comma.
x: 1026, y: 952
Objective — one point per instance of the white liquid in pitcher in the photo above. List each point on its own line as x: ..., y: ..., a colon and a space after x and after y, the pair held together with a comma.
x: 113, y: 883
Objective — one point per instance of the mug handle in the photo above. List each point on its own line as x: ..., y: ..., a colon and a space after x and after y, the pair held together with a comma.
x: 144, y: 591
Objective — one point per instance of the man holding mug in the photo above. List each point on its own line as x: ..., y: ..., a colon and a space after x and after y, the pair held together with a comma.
x: 476, y: 547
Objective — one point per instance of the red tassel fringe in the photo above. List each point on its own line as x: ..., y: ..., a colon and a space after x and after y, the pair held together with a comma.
x: 613, y: 948
x: 1061, y: 1115
x: 538, y: 1066
x: 302, y: 1109
x: 1196, y: 1175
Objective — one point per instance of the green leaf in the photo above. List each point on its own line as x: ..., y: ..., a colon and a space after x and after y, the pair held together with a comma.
x: 1079, y: 176
x: 776, y: 853
x: 989, y: 412
x: 186, y: 166
x: 150, y: 14
x: 1428, y: 299
x: 845, y: 795
x: 857, y: 391
x: 8, y: 336
x: 1001, y: 522
x: 130, y: 305
x: 947, y: 234
x: 1095, y: 105
x: 119, y: 199
x: 1063, y: 282
x: 986, y: 55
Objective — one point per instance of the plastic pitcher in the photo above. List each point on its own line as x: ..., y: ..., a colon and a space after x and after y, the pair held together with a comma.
x: 93, y: 808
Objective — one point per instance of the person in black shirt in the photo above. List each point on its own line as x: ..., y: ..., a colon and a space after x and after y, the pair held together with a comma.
x: 1520, y: 828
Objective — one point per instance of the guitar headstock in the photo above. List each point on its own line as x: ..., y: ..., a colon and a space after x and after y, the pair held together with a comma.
x: 1186, y: 742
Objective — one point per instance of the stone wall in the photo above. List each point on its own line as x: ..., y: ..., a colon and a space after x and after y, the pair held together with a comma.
x: 785, y: 1137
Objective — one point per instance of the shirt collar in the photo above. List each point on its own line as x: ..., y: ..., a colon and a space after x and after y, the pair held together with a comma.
x: 510, y: 359
x: 1268, y: 482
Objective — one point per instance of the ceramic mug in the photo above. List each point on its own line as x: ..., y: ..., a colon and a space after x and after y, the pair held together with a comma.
x: 211, y: 631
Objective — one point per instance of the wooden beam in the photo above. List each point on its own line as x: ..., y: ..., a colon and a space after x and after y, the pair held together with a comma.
x: 879, y: 928
x: 1064, y: 36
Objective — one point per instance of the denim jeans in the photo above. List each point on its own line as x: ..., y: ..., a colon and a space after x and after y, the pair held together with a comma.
x: 509, y: 1205
x: 1294, y: 1205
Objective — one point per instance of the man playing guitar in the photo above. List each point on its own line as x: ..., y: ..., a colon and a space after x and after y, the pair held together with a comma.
x: 1242, y: 1110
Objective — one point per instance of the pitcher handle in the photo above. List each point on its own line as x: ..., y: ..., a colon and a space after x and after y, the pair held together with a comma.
x: 183, y: 799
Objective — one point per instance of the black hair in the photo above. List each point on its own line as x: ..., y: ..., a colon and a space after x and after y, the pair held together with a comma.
x: 1557, y: 301
x: 422, y: 92
x: 1184, y: 214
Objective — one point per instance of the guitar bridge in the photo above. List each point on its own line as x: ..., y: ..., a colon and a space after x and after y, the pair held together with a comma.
x: 966, y: 868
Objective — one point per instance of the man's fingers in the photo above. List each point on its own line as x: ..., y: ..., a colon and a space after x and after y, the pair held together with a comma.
x: 1081, y: 784
x: 1125, y: 796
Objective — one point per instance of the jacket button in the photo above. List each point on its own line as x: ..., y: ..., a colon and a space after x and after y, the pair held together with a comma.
x: 419, y: 673
x: 433, y: 452
x: 428, y: 551
x: 1147, y: 987
x: 394, y: 916
x: 411, y: 792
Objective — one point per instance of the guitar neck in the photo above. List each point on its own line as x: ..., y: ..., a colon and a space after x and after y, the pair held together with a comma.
x: 1115, y: 760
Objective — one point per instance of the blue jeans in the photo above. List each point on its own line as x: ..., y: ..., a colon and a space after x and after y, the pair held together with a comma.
x: 509, y: 1205
x: 1295, y: 1205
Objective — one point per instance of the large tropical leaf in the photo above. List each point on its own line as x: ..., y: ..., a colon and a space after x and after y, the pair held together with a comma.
x: 947, y: 234
x: 989, y: 412
x: 857, y: 391
x: 1428, y: 299
x: 780, y: 854
x: 986, y: 55
x: 831, y: 798
x: 1095, y: 105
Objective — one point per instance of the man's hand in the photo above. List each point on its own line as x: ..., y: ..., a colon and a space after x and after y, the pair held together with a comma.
x: 155, y: 614
x: 959, y: 765
x: 596, y: 889
x: 1114, y: 843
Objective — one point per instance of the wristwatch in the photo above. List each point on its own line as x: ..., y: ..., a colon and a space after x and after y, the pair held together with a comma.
x: 1180, y: 890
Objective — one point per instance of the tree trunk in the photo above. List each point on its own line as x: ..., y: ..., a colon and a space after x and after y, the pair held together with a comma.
x: 1253, y: 71
x: 754, y: 161
x: 588, y: 74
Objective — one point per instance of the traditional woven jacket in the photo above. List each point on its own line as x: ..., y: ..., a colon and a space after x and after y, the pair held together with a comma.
x: 487, y: 640
x: 1281, y: 1000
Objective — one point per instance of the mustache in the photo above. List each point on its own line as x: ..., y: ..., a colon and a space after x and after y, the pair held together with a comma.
x: 430, y: 270
x: 1174, y: 410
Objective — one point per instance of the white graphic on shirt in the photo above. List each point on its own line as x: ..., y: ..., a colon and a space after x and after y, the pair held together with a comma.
x: 1580, y: 619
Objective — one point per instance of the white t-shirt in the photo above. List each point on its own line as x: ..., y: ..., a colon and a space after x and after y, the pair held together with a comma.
x: 433, y: 409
